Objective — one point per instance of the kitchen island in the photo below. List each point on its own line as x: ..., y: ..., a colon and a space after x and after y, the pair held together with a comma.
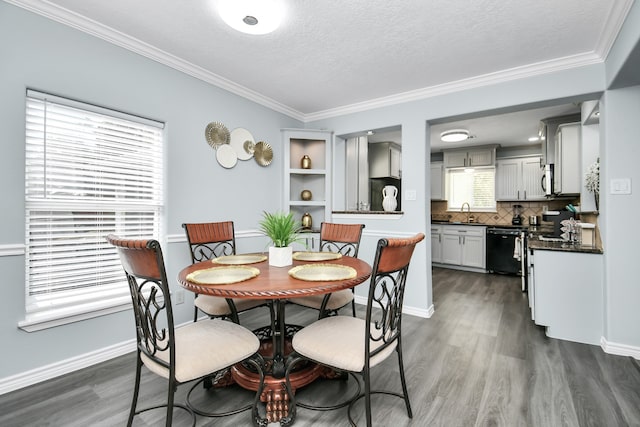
x: 565, y: 288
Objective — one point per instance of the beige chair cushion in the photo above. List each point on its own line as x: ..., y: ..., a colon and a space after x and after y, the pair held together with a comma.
x: 205, y: 347
x: 336, y: 300
x: 217, y: 306
x: 338, y: 342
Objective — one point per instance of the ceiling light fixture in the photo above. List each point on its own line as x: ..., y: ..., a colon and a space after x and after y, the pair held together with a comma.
x: 252, y: 16
x: 534, y: 139
x: 454, y: 135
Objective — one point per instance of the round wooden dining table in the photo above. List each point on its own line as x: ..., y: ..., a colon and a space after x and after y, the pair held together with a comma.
x: 276, y: 285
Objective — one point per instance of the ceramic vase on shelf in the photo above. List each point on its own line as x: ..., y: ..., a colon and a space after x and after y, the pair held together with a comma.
x: 389, y: 202
x: 305, y: 162
x: 306, y: 221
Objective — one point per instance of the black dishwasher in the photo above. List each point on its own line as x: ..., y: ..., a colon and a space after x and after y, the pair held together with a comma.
x: 505, y: 250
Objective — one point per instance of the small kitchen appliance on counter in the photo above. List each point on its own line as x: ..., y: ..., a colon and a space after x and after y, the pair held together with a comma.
x: 517, y: 217
x: 557, y: 217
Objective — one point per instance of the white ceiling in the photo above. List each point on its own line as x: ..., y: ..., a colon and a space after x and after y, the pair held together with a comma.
x: 334, y: 56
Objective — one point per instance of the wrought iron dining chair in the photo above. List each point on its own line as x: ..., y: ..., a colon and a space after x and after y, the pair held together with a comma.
x: 353, y: 345
x: 343, y: 239
x: 209, y: 240
x: 177, y: 353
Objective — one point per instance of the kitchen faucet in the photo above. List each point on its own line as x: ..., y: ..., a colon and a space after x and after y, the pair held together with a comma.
x: 468, y: 210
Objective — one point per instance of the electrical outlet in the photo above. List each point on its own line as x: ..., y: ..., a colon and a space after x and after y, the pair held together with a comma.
x: 179, y: 296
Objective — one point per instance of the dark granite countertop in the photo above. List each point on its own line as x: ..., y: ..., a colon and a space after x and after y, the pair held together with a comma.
x: 368, y: 212
x: 534, y: 242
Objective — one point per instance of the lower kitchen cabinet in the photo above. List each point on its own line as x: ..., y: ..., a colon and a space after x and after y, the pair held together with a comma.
x: 566, y: 294
x: 436, y: 243
x: 463, y: 246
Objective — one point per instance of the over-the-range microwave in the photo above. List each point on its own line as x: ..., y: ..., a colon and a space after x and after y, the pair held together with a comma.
x: 547, y: 179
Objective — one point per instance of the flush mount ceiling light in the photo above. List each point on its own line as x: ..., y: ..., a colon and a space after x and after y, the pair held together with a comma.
x: 454, y: 135
x: 252, y: 16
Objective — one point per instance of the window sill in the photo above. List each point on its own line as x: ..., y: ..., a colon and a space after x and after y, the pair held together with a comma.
x: 62, y: 316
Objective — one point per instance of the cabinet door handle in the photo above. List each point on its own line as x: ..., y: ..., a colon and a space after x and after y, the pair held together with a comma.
x: 525, y: 194
x: 518, y: 194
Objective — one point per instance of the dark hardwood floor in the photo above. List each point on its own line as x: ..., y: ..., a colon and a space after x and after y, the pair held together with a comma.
x: 479, y: 361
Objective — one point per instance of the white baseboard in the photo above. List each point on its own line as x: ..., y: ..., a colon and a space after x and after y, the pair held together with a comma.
x: 620, y: 349
x: 414, y: 311
x: 62, y: 367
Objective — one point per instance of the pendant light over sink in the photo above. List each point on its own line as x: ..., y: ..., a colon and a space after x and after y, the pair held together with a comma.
x: 252, y: 16
x: 454, y: 135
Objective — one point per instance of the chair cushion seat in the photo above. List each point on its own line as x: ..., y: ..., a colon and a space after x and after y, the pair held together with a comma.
x: 205, y: 347
x: 217, y: 306
x: 338, y: 342
x: 336, y: 300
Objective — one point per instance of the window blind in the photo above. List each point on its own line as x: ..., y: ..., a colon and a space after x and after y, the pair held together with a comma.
x: 476, y: 187
x: 89, y: 172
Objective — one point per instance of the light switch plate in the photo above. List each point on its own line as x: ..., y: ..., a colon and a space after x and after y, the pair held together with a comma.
x: 620, y: 186
x: 410, y: 195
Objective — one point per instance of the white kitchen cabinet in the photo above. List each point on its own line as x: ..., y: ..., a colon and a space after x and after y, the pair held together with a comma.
x: 436, y: 243
x: 317, y: 145
x: 464, y: 246
x: 568, y: 294
x: 437, y: 181
x: 566, y: 173
x: 519, y: 179
x: 385, y: 160
x: 469, y: 157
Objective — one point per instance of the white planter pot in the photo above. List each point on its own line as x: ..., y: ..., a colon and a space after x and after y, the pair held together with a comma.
x: 280, y: 257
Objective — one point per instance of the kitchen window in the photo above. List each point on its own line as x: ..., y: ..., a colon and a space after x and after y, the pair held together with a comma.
x: 89, y: 172
x: 474, y: 186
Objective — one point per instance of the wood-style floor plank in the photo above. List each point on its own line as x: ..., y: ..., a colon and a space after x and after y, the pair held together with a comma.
x: 478, y: 361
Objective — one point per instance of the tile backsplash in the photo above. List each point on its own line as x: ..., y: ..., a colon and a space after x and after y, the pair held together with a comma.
x: 503, y: 214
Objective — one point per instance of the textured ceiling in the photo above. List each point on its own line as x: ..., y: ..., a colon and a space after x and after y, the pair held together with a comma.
x: 334, y: 55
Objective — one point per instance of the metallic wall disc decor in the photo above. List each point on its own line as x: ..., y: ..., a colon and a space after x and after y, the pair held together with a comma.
x: 241, y: 139
x: 226, y: 156
x: 216, y: 134
x: 263, y: 153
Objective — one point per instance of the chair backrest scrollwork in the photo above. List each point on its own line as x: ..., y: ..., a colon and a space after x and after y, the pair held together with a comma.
x: 210, y: 240
x: 144, y: 268
x: 386, y: 291
x: 341, y: 238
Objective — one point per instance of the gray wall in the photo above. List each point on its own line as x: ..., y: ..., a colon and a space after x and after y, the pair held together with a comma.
x: 40, y: 54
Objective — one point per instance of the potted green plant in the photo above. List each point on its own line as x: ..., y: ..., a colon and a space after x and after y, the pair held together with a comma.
x: 283, y: 230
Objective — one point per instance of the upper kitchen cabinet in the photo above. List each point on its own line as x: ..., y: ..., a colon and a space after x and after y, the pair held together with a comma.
x: 385, y: 160
x: 519, y: 179
x: 566, y: 174
x: 307, y: 172
x: 437, y: 181
x: 469, y: 157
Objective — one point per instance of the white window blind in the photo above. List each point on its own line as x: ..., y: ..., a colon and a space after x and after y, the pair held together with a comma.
x: 89, y: 172
x: 475, y: 186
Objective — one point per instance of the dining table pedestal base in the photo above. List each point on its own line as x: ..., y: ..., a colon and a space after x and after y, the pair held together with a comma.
x: 274, y: 394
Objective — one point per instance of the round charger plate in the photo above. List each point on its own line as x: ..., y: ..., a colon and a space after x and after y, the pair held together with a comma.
x: 216, y: 134
x: 242, y: 141
x: 322, y: 272
x: 239, y: 259
x: 223, y: 275
x: 226, y: 156
x: 263, y: 153
x: 316, y: 256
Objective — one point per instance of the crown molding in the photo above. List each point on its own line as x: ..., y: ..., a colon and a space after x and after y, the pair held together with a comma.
x: 516, y: 73
x: 615, y: 20
x: 79, y: 22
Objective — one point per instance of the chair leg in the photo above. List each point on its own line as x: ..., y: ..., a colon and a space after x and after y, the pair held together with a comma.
x: 367, y: 394
x: 292, y: 360
x: 170, y: 396
x: 258, y: 362
x: 136, y: 389
x: 402, y: 379
x: 195, y: 314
